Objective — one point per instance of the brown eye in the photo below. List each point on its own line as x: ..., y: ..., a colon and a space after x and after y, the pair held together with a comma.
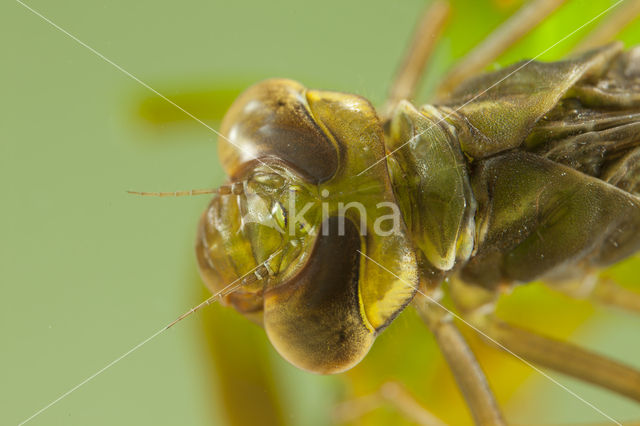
x: 314, y: 319
x: 272, y: 121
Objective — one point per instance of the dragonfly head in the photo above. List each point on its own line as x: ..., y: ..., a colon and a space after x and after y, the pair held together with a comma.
x: 294, y: 156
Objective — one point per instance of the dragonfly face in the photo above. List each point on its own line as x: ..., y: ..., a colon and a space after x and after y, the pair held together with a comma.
x: 294, y: 156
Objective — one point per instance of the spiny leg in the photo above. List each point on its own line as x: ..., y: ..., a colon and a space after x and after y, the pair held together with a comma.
x: 496, y: 43
x: 466, y: 370
x: 406, y: 81
x: 393, y: 393
x: 611, y: 26
x: 477, y: 304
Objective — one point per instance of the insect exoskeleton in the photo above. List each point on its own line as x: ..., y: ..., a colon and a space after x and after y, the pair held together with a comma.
x: 296, y: 154
x: 499, y: 190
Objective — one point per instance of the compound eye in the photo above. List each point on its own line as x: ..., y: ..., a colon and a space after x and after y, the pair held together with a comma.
x: 314, y: 319
x: 272, y: 121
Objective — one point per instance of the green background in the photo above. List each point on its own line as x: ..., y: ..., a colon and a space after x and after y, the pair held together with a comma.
x: 87, y: 271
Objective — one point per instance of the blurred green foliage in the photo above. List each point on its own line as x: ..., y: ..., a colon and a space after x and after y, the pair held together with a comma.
x: 88, y: 271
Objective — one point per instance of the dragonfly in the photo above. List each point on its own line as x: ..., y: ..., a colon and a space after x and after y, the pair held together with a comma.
x: 523, y: 174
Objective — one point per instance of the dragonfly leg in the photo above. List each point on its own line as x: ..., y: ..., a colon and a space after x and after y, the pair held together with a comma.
x: 466, y: 370
x: 425, y: 37
x: 496, y: 43
x: 392, y: 393
x: 605, y: 32
x: 560, y: 356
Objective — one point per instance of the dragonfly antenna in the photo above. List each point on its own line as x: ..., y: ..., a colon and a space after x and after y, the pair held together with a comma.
x: 236, y: 188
